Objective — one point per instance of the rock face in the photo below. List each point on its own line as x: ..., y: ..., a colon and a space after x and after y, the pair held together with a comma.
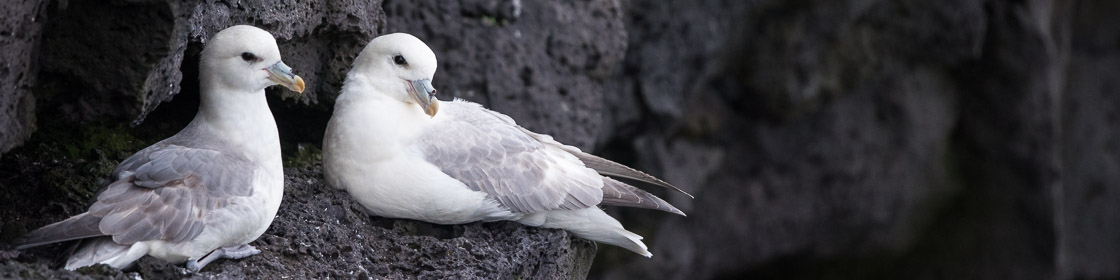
x: 886, y: 139
x: 1085, y: 211
x: 808, y: 131
x: 128, y: 78
x: 822, y: 139
x: 21, y: 25
x: 545, y: 64
x: 96, y: 74
x: 320, y: 233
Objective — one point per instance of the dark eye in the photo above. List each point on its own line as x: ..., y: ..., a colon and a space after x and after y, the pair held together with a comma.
x: 399, y: 60
x: 248, y: 56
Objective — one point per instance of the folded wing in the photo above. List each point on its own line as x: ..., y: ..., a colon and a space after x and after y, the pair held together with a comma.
x: 524, y: 171
x: 163, y: 192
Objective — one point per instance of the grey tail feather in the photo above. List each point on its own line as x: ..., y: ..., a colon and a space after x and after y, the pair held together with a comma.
x: 77, y: 227
x: 621, y: 194
x: 610, y: 168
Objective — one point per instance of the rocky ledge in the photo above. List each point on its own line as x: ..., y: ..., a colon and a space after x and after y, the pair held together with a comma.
x: 320, y: 233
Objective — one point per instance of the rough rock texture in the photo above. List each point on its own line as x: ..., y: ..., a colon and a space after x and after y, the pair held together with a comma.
x: 21, y: 25
x: 895, y: 139
x: 320, y: 233
x: 860, y: 138
x: 128, y: 77
x: 1086, y: 210
x: 98, y: 78
x: 823, y: 136
x: 543, y: 63
x: 848, y: 139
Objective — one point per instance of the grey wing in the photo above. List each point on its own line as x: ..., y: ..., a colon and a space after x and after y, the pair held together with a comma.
x: 170, y: 192
x: 76, y: 227
x: 163, y: 193
x: 601, y: 165
x: 492, y: 156
x: 605, y: 166
x: 614, y: 192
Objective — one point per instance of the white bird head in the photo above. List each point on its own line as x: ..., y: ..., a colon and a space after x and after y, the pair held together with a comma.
x: 400, y: 66
x: 246, y: 59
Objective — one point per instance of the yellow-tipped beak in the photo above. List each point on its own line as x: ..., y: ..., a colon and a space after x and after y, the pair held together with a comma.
x: 282, y: 74
x: 425, y: 95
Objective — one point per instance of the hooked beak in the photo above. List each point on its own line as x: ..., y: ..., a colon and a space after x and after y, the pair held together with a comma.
x: 425, y: 95
x: 282, y: 74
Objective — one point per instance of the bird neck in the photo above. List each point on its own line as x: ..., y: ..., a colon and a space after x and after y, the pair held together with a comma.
x: 241, y: 119
x: 383, y: 120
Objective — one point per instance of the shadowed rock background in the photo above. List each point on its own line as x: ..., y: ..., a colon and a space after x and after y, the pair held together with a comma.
x: 847, y: 139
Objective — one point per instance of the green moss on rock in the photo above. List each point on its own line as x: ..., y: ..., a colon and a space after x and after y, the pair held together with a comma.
x: 72, y: 160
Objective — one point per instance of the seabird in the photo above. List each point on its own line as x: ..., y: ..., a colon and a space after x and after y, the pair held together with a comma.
x: 387, y: 146
x: 205, y: 192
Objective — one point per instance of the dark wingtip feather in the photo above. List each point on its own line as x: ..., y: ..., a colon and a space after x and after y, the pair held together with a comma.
x: 610, y: 168
x: 77, y: 227
x: 620, y: 194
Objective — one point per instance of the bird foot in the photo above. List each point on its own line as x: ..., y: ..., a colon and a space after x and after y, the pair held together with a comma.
x: 193, y: 266
x: 235, y: 252
x: 242, y: 251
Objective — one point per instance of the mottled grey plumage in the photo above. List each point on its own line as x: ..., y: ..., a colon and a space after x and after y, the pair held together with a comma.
x: 489, y: 152
x: 162, y: 192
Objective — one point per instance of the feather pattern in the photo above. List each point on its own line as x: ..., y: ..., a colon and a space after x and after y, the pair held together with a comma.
x: 167, y: 193
x: 489, y: 155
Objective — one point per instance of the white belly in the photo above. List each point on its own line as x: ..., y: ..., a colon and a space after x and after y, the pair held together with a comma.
x: 367, y: 151
x: 405, y: 187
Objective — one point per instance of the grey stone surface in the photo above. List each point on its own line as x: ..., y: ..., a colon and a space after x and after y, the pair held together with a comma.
x: 1087, y: 229
x: 892, y: 139
x: 320, y: 233
x: 1087, y: 236
x: 95, y: 64
x: 21, y: 25
x: 128, y: 78
x: 543, y: 63
x: 97, y: 73
x: 817, y: 153
x: 822, y: 139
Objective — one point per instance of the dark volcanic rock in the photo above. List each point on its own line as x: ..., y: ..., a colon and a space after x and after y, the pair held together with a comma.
x: 793, y: 144
x: 823, y: 139
x: 12, y: 270
x: 95, y: 64
x: 543, y: 63
x: 128, y: 77
x: 320, y: 233
x: 1086, y: 212
x: 1087, y: 228
x: 850, y: 134
x: 21, y: 25
x: 96, y: 72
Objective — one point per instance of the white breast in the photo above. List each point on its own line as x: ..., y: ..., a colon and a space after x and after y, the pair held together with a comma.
x: 367, y: 152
